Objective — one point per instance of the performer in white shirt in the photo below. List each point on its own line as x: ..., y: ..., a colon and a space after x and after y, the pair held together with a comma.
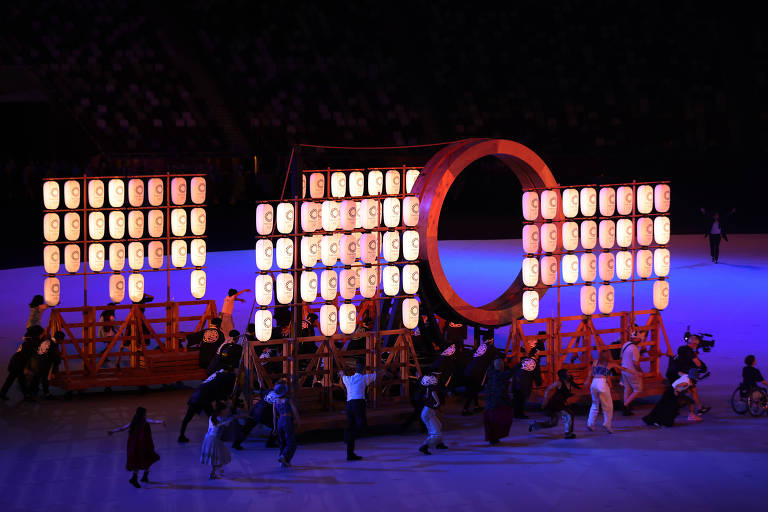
x: 356, y: 421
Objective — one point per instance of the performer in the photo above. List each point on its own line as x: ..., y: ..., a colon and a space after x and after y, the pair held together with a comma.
x: 715, y: 229
x: 555, y: 404
x: 48, y: 357
x: 630, y: 358
x: 214, y: 451
x: 140, y: 451
x: 675, y: 397
x: 36, y: 308
x: 260, y: 414
x: 475, y: 373
x: 430, y: 417
x: 356, y: 421
x: 228, y: 354
x: 228, y: 308
x: 217, y: 387
x: 498, y: 405
x: 210, y: 340
x: 525, y: 374
x: 19, y: 362
x: 600, y: 386
x: 285, y: 420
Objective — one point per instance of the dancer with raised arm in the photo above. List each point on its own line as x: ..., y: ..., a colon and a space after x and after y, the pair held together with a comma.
x: 140, y: 452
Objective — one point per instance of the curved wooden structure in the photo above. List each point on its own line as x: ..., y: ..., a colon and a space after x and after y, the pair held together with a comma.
x: 432, y: 188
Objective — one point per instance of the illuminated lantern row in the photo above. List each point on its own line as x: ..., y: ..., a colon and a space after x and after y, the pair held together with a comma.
x: 378, y: 183
x: 621, y: 200
x: 604, y: 298
x: 138, y: 191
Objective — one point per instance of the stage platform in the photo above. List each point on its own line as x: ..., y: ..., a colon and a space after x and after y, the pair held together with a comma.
x: 56, y: 455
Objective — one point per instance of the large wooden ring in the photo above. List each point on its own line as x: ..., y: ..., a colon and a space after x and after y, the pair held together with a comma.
x: 432, y: 187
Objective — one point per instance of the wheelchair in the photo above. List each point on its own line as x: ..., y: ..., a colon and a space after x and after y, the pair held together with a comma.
x: 754, y: 401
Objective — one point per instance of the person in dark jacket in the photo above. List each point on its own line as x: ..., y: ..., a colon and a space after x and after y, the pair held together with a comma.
x: 217, y: 387
x: 475, y: 373
x: 716, y: 229
x: 526, y: 373
x: 260, y: 414
x: 556, y: 404
x: 47, y: 357
x: 20, y: 361
x: 229, y: 354
x: 210, y: 340
x: 498, y: 404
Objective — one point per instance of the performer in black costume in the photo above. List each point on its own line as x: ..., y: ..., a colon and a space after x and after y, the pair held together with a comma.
x: 19, y: 362
x: 475, y: 373
x: 525, y: 374
x: 209, y: 340
x: 48, y: 356
x: 260, y: 414
x: 217, y: 387
x: 556, y: 406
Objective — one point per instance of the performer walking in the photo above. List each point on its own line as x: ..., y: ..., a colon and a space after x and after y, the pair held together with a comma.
x: 499, y: 410
x: 355, y: 385
x: 285, y: 420
x: 214, y: 451
x: 555, y: 402
x: 715, y: 228
x: 633, y: 385
x: 140, y: 452
x: 600, y: 386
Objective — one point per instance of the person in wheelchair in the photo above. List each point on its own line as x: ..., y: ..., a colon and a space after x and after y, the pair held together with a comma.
x: 751, y: 376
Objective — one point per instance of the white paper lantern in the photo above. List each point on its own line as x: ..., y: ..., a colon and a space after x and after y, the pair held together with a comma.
x: 135, y: 192
x: 644, y: 263
x: 347, y: 283
x: 285, y: 218
x: 570, y: 233
x: 348, y: 214
x: 570, y: 266
x: 588, y: 201
x: 308, y: 283
x: 624, y: 200
x: 606, y: 265
x: 179, y: 253
x: 310, y: 217
x: 328, y: 319
x: 661, y: 198
x: 391, y: 246
x: 52, y: 291
x: 338, y: 184
x: 392, y: 182
x: 624, y: 232
x: 135, y: 224
x: 178, y: 191
x: 72, y: 194
x: 624, y: 265
x: 375, y: 183
x: 644, y: 199
x: 116, y: 256
x: 178, y: 222
x: 644, y: 231
x: 410, y: 280
x: 347, y: 318
x: 588, y: 267
x: 198, y: 251
x: 548, y: 271
x: 347, y: 249
x: 549, y: 199
x: 410, y: 211
x: 530, y: 305
x: 135, y: 255
x: 329, y: 284
x: 96, y: 225
x: 51, y: 195
x: 369, y: 213
x: 263, y: 252
x: 390, y: 280
x: 284, y: 288
x: 410, y: 245
x: 155, y: 191
x: 369, y: 281
x: 391, y: 212
x: 570, y: 202
x: 197, y: 188
x: 661, y: 294
x: 330, y: 215
x: 72, y: 258
x: 263, y: 289
x: 197, y: 219
x: 661, y: 262
x: 309, y: 253
x: 155, y: 223
x: 411, y: 175
x: 72, y: 226
x: 661, y: 230
x: 607, y: 234
x: 410, y: 313
x: 263, y: 322
x: 605, y: 298
x: 284, y: 253
x: 51, y: 227
x: 136, y: 287
x: 96, y: 257
x: 530, y: 205
x: 548, y: 237
x: 530, y: 238
x: 588, y: 234
x: 356, y: 184
x: 316, y: 185
x: 116, y: 191
x: 265, y: 219
x: 369, y: 247
x: 155, y: 254
x: 96, y: 193
x: 329, y: 250
x: 530, y: 271
x: 607, y: 201
x: 51, y: 259
x: 197, y: 283
x: 116, y: 288
x: 588, y: 300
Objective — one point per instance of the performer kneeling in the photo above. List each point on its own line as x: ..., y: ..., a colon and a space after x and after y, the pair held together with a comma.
x: 556, y: 406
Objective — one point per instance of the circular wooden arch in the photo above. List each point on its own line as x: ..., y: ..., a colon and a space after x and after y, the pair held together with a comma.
x: 432, y: 186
